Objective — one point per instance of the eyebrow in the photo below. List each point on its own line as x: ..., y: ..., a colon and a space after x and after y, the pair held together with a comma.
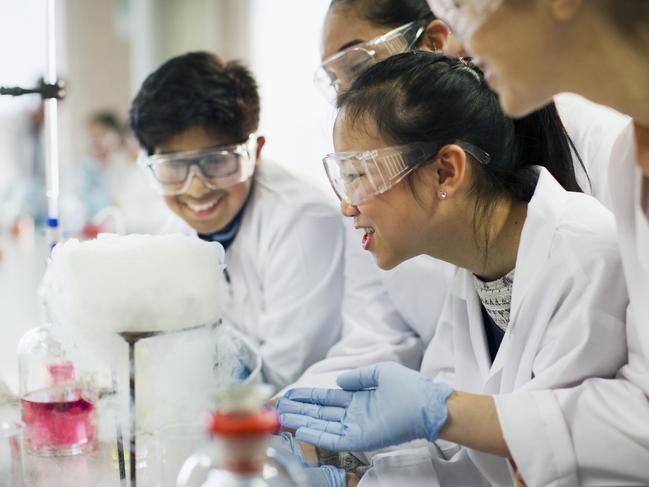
x: 350, y: 44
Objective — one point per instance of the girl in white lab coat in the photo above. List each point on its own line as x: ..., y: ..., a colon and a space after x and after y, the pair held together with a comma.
x: 390, y: 315
x: 596, y: 433
x: 197, y: 118
x: 426, y: 162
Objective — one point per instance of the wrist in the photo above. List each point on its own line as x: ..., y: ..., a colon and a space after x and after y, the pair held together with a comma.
x: 473, y: 422
x: 436, y: 410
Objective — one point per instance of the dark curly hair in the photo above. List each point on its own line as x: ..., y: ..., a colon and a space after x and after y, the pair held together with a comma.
x: 195, y: 89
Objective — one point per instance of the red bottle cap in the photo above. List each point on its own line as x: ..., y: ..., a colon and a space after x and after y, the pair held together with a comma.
x: 263, y: 422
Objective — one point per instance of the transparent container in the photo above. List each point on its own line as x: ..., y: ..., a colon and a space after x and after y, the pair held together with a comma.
x: 58, y: 399
x: 239, y: 454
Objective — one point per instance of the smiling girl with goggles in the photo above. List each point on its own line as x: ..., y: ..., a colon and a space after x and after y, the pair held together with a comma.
x: 219, y: 167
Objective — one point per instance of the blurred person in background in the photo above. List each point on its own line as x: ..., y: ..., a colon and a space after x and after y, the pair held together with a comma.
x: 110, y: 192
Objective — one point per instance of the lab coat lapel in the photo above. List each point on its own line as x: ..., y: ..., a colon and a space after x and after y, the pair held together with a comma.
x: 474, y: 333
x: 543, y: 214
x: 238, y: 290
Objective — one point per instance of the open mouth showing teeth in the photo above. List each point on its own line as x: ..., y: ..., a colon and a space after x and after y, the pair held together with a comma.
x: 202, y: 208
x: 368, y: 236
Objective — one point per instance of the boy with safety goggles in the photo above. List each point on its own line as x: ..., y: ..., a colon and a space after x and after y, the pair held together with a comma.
x: 196, y: 117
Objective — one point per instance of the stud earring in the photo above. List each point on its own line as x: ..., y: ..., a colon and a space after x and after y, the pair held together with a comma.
x: 442, y: 194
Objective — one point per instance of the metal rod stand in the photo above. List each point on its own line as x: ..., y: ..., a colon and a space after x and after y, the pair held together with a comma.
x: 132, y: 415
x: 132, y: 338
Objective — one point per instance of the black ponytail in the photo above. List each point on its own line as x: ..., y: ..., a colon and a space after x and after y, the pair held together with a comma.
x: 541, y: 137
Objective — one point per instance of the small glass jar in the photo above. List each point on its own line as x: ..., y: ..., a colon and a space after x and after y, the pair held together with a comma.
x: 239, y: 454
x: 58, y: 400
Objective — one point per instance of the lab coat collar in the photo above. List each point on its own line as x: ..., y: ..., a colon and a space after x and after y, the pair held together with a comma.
x: 543, y: 214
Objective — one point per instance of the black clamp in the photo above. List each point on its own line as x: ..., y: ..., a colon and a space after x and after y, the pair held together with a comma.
x: 46, y: 90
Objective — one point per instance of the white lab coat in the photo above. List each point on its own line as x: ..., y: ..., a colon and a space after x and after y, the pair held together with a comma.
x: 593, y: 130
x: 596, y: 433
x: 567, y: 322
x: 286, y: 272
x: 387, y: 315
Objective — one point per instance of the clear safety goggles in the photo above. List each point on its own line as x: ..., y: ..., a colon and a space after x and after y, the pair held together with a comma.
x: 336, y: 74
x: 357, y: 176
x: 464, y: 17
x: 220, y: 167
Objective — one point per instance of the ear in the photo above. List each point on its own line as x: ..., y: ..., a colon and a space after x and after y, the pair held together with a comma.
x: 261, y: 141
x: 435, y: 35
x: 564, y: 10
x: 451, y: 169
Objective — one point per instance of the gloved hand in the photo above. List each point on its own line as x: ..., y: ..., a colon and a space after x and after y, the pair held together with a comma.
x: 381, y: 405
x: 323, y: 476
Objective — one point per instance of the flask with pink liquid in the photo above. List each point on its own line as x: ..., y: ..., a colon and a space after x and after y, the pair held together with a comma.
x: 58, y: 400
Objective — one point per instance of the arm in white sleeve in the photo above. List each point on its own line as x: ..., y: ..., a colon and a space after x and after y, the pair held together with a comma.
x: 303, y: 284
x: 594, y: 434
x: 374, y: 330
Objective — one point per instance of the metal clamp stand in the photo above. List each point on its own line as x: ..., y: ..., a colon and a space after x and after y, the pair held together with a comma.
x: 51, y: 90
x: 132, y: 338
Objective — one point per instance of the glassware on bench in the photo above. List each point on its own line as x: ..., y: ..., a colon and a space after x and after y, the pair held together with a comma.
x: 11, y: 454
x: 58, y: 398
x: 239, y: 454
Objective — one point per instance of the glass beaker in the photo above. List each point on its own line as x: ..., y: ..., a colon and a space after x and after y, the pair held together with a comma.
x: 175, y: 442
x: 11, y: 454
x: 239, y: 454
x: 58, y: 401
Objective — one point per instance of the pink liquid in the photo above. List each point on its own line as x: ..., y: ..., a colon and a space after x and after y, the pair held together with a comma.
x: 59, y: 421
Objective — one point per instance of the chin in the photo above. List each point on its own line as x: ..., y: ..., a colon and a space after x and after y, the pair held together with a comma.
x: 386, y: 263
x: 206, y: 228
x: 520, y: 105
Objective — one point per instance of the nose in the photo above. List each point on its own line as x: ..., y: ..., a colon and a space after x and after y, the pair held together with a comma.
x: 197, y: 186
x: 348, y: 210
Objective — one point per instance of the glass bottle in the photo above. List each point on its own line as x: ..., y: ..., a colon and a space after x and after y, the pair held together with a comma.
x: 239, y: 454
x: 58, y: 399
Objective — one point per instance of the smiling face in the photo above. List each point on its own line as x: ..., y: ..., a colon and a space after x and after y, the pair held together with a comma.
x: 525, y: 54
x: 205, y: 210
x: 395, y: 225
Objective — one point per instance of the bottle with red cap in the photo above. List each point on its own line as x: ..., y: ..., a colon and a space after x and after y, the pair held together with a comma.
x: 239, y: 454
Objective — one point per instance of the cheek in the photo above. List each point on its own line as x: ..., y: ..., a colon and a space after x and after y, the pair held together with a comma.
x: 171, y: 201
x: 236, y: 195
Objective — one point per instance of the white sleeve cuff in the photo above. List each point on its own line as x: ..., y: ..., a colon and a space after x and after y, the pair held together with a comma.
x: 538, y: 438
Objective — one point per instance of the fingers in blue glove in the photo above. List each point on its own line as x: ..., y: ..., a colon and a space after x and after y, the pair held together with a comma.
x: 323, y: 439
x: 359, y: 379
x: 296, y: 421
x: 326, y: 397
x: 330, y: 413
x: 326, y: 476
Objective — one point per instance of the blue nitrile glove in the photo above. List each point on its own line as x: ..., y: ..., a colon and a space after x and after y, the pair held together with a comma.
x: 323, y: 476
x: 382, y: 405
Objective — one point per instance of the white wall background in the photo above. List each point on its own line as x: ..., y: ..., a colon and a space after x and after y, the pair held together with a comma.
x: 22, y: 61
x: 296, y: 119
